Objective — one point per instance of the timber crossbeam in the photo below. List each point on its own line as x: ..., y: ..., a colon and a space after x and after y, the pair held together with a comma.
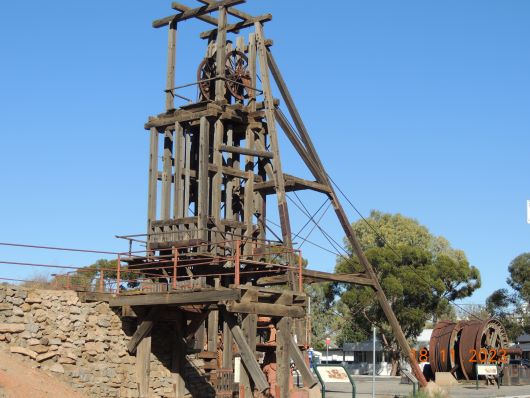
x: 195, y: 12
x: 180, y: 297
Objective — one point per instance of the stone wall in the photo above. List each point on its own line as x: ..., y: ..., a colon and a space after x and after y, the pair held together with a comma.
x: 83, y: 344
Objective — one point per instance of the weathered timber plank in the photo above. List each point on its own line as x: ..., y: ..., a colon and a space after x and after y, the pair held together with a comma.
x: 203, y: 192
x: 232, y: 11
x: 171, y: 59
x: 293, y: 111
x: 298, y: 358
x: 273, y: 134
x: 213, y: 326
x: 183, y: 8
x: 86, y: 297
x: 220, y: 55
x: 143, y: 369
x: 292, y: 183
x: 153, y: 174
x: 143, y: 330
x: 217, y: 180
x: 179, y: 116
x: 228, y: 354
x: 194, y: 12
x: 178, y: 187
x: 249, y: 327
x: 187, y: 169
x: 167, y: 163
x: 175, y: 221
x: 319, y: 276
x: 178, y: 355
x: 234, y: 172
x: 282, y: 355
x: 266, y: 309
x: 299, y: 146
x: 194, y: 325
x: 246, y: 151
x: 239, y: 25
x: 200, y: 297
x: 269, y: 292
x: 247, y: 355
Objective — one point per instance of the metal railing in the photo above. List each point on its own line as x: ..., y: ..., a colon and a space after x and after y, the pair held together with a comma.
x: 134, y: 269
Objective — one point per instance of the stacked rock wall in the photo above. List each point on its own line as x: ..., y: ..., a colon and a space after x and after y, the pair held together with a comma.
x: 83, y: 344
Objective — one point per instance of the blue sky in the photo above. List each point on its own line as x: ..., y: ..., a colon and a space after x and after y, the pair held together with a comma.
x: 416, y: 107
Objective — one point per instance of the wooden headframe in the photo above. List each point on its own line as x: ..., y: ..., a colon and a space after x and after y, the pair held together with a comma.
x: 221, y: 157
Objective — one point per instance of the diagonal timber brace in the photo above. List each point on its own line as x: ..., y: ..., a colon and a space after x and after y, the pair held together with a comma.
x: 314, y: 159
x: 247, y: 355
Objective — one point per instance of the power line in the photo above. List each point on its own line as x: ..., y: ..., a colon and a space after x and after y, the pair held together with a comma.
x: 308, y: 241
x: 314, y: 226
x: 380, y: 235
x: 330, y: 240
x: 313, y: 216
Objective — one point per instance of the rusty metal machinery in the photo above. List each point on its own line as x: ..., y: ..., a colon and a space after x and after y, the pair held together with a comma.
x: 237, y: 77
x: 458, y: 347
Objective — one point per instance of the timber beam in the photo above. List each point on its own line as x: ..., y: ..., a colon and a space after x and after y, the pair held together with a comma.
x: 246, y: 151
x: 311, y: 276
x: 266, y: 309
x: 195, y: 12
x: 239, y: 25
x: 271, y: 295
x: 247, y: 354
x: 292, y: 183
x: 232, y: 11
x: 193, y: 112
x: 204, y: 296
x: 144, y: 328
x: 294, y: 352
x: 89, y: 297
x: 205, y: 18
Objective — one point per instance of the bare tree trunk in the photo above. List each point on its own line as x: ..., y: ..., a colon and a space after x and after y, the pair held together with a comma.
x: 394, y: 357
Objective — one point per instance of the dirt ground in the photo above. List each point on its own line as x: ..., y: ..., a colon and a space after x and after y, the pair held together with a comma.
x: 18, y: 379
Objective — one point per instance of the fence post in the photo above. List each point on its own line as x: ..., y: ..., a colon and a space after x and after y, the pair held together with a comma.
x: 101, y: 281
x: 118, y: 276
x: 300, y: 282
x: 68, y: 281
x: 237, y: 264
x: 175, y: 260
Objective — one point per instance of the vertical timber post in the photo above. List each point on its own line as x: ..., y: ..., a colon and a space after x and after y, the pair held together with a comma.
x: 178, y: 355
x: 217, y: 182
x: 171, y: 58
x: 282, y: 356
x: 165, y: 205
x: 143, y: 359
x: 178, y: 187
x: 213, y: 325
x: 204, y: 151
x: 175, y: 264
x: 152, y: 184
x: 228, y: 355
x: 220, y: 55
x: 249, y: 327
x: 271, y: 125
